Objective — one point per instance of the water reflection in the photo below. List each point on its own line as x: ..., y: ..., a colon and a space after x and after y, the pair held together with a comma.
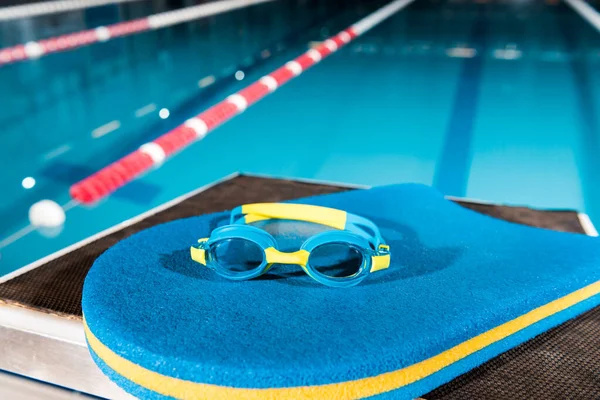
x: 93, y: 104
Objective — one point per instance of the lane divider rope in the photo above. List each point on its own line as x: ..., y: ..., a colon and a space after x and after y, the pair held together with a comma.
x: 52, y: 7
x: 152, y: 154
x: 36, y: 49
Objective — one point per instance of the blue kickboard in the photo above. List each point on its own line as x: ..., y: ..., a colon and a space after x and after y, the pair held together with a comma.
x: 462, y: 288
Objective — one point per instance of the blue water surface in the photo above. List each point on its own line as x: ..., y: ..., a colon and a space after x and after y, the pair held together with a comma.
x: 490, y: 101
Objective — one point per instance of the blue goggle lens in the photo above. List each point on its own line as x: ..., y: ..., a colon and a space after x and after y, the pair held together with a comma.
x: 237, y: 255
x: 336, y: 260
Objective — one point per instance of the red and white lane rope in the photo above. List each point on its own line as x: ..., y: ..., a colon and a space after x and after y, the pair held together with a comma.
x: 154, y: 153
x: 33, y: 50
x: 52, y: 7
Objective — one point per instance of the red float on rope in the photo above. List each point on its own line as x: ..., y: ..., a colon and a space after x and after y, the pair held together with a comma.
x: 125, y: 170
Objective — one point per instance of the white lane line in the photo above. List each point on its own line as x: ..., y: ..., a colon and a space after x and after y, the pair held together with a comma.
x: 586, y: 11
x: 461, y: 52
x: 106, y: 129
x: 147, y: 109
x: 508, y: 54
x: 206, y: 81
x: 56, y: 152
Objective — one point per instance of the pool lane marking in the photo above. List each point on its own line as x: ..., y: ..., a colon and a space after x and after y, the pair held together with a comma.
x: 56, y: 152
x: 106, y: 129
x: 52, y: 7
x: 206, y: 81
x: 454, y: 163
x: 586, y: 11
x: 128, y: 168
x: 36, y: 49
x: 147, y: 109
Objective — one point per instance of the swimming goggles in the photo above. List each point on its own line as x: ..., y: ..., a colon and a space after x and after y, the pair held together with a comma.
x: 339, y: 258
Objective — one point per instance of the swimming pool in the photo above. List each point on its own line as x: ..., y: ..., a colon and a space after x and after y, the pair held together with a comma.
x: 496, y: 101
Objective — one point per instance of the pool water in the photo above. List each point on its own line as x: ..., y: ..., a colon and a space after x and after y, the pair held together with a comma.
x: 484, y: 100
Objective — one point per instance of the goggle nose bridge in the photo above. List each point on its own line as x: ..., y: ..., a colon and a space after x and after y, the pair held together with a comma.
x: 274, y: 256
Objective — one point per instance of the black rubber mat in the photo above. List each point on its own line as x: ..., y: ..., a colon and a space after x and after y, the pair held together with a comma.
x: 563, y: 363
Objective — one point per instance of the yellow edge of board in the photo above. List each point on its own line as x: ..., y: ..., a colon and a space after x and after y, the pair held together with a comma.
x: 178, y: 388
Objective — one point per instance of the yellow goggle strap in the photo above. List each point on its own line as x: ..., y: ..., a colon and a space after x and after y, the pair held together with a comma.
x: 298, y: 212
x: 380, y: 262
x: 199, y: 255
